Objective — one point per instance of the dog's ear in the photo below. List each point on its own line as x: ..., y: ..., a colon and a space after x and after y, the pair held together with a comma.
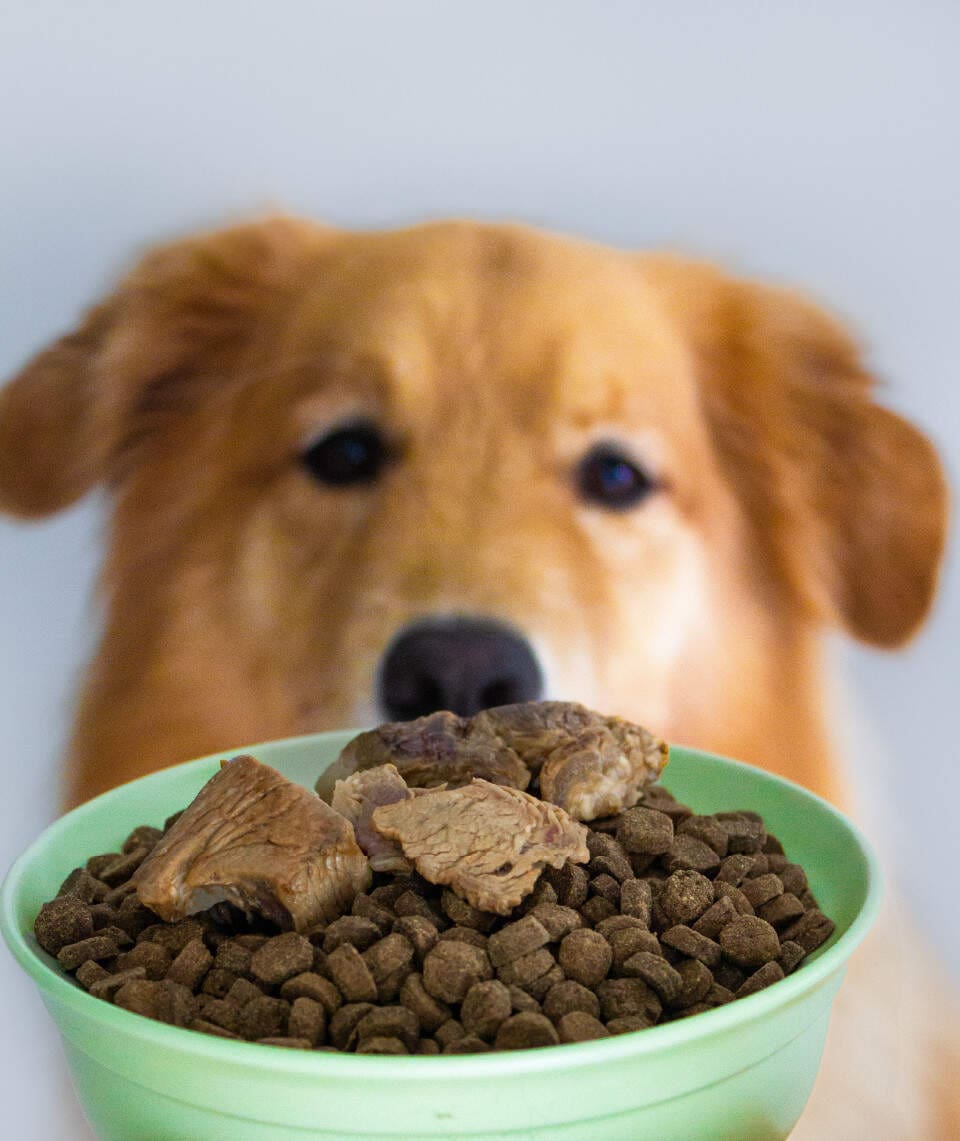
x: 847, y: 501
x: 178, y: 316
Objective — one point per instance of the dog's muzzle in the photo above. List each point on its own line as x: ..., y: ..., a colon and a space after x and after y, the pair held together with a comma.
x: 460, y: 664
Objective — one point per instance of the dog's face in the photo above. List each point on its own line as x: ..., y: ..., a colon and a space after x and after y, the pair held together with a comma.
x: 357, y: 477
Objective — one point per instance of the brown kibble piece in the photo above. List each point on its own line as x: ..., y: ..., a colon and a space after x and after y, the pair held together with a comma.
x: 685, y: 896
x: 366, y: 907
x: 794, y: 879
x: 190, y: 966
x: 140, y: 996
x: 281, y: 958
x: 810, y: 931
x: 485, y: 1006
x: 411, y: 903
x: 83, y: 885
x: 522, y: 1000
x: 312, y: 985
x: 657, y: 973
x: 231, y: 956
x: 307, y: 1020
x: 620, y: 998
x: 596, y: 909
x: 749, y: 941
x: 578, y: 1026
x: 264, y: 1017
x: 516, y: 940
x: 571, y: 883
x: 744, y: 832
x: 351, y: 974
x: 525, y: 971
x: 741, y: 904
x: 791, y: 956
x: 390, y: 1022
x: 390, y: 961
x: 783, y: 909
x: 627, y: 941
x: 421, y: 933
x: 464, y: 935
x: 762, y: 889
x: 120, y: 869
x: 91, y: 972
x: 451, y: 968
x: 526, y: 1031
x: 341, y: 1028
x: 242, y: 991
x: 143, y: 836
x: 735, y: 869
x: 716, y: 917
x: 464, y: 914
x: 585, y: 957
x: 449, y: 1031
x: 568, y: 996
x: 636, y: 899
x: 707, y: 829
x: 769, y: 973
x: 695, y: 982
x: 607, y: 856
x: 689, y: 853
x: 97, y: 947
x: 362, y: 933
x: 606, y: 886
x: 108, y: 986
x: 287, y: 1042
x: 62, y: 921
x: 205, y: 1027
x: 217, y: 982
x: 689, y: 942
x: 645, y: 831
x: 431, y: 1013
x: 557, y: 919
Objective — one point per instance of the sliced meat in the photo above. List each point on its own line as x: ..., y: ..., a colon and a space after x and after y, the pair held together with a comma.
x: 441, y: 748
x: 489, y: 843
x: 256, y: 840
x: 603, y: 771
x: 357, y: 797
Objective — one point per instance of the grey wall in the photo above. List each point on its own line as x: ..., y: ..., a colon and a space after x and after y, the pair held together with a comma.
x: 814, y: 143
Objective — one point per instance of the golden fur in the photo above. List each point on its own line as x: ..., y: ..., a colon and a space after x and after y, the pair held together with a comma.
x: 245, y: 602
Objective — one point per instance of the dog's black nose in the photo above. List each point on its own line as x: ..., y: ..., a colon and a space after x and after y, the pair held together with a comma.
x: 461, y: 664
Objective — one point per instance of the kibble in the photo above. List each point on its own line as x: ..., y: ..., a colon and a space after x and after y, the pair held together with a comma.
x: 675, y: 914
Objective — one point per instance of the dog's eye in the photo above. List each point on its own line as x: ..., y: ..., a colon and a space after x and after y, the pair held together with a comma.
x: 355, y: 453
x: 606, y: 476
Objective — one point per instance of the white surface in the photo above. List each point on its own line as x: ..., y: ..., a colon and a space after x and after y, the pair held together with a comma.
x: 814, y: 143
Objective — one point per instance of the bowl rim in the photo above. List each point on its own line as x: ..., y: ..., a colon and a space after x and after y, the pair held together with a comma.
x: 62, y: 989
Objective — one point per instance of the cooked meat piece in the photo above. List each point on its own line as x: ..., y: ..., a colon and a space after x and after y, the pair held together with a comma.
x: 488, y: 842
x: 589, y: 764
x: 441, y: 748
x: 357, y: 797
x: 260, y: 842
x: 603, y: 771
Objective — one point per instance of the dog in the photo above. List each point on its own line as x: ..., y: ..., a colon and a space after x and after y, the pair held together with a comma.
x: 362, y: 476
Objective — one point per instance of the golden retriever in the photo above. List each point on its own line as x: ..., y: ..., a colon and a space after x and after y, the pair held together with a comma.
x: 358, y: 476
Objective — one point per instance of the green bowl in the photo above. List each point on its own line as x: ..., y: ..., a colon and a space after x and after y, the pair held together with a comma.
x: 743, y: 1071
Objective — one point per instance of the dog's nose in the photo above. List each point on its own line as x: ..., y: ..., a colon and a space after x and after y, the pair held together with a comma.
x: 461, y: 664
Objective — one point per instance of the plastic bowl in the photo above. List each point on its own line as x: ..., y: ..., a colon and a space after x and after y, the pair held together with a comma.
x: 743, y: 1071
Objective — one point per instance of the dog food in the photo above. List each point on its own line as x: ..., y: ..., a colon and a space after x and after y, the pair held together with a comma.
x: 259, y: 841
x: 587, y: 764
x: 647, y: 931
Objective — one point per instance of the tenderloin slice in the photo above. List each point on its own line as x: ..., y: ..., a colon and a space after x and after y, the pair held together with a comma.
x: 489, y: 843
x: 603, y: 771
x: 440, y: 748
x: 256, y: 840
x: 357, y: 797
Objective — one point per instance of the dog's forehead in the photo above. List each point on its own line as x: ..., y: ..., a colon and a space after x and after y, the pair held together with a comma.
x: 454, y: 307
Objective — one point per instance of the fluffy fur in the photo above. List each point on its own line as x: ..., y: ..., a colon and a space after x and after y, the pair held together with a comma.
x: 244, y: 601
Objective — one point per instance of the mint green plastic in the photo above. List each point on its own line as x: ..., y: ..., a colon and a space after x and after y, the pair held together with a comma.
x: 741, y: 1072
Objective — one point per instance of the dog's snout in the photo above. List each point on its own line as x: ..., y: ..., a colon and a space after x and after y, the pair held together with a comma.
x: 461, y: 664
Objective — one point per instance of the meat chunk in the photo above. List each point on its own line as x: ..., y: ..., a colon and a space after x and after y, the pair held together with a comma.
x: 488, y: 842
x: 441, y: 748
x: 588, y: 764
x: 260, y: 842
x: 603, y: 771
x: 357, y: 797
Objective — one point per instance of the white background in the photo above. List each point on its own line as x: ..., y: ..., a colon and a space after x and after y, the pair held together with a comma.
x: 813, y: 143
